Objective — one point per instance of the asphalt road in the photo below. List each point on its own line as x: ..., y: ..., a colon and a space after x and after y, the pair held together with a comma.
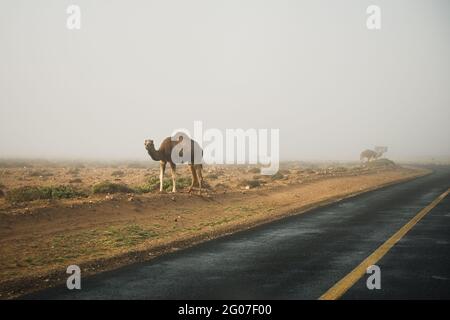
x: 301, y: 257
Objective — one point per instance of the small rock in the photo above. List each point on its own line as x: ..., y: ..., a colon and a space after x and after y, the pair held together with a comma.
x: 109, y: 197
x: 172, y: 198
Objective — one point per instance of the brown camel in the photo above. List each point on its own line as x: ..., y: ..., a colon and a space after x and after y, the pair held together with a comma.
x: 178, y: 149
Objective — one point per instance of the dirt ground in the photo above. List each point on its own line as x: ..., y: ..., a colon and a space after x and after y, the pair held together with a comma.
x: 99, y: 232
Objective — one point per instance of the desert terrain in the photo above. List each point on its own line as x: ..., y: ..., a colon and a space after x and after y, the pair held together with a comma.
x: 101, y: 216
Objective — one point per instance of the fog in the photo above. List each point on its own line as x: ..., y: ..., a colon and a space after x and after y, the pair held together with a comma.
x: 141, y: 69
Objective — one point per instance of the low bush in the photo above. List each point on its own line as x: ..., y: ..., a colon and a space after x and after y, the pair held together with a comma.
x: 111, y: 187
x: 254, y: 170
x: 153, y: 184
x: 250, y: 183
x: 212, y: 176
x: 277, y: 176
x: 29, y: 193
x: 118, y: 173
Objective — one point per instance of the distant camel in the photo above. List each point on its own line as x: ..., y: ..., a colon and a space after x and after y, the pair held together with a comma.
x: 187, y: 150
x: 371, y: 154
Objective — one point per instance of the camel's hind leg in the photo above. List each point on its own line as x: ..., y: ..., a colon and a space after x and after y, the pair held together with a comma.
x: 174, y: 177
x: 194, y: 177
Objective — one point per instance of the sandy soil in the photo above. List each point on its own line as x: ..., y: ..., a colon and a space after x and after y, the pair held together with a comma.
x: 39, y: 239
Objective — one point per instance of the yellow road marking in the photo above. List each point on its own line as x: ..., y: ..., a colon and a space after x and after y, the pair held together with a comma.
x: 336, y: 291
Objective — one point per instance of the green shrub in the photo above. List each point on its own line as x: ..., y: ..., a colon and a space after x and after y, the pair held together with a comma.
x: 110, y: 187
x: 254, y: 170
x: 153, y: 184
x: 65, y: 192
x: 28, y: 193
x: 277, y: 176
x: 182, y: 182
x: 118, y: 173
x: 250, y: 183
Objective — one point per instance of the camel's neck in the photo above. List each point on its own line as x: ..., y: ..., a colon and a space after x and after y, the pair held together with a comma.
x: 154, y: 154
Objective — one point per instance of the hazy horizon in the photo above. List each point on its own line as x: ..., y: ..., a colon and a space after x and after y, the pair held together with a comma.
x: 140, y: 69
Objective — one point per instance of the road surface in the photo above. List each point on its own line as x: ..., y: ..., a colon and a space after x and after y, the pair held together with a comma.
x: 302, y: 257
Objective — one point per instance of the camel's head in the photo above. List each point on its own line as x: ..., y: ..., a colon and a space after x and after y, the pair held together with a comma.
x: 148, y: 144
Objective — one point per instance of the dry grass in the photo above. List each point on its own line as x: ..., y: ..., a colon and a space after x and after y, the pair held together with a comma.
x: 34, y: 181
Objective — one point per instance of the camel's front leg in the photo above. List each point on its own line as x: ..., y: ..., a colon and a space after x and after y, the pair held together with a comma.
x: 174, y: 177
x: 162, y: 168
x: 198, y: 171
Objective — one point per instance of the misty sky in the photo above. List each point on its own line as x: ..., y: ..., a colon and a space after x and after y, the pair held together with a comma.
x: 140, y: 69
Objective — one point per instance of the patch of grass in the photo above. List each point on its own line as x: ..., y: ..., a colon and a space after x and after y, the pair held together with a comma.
x: 27, y: 193
x: 153, y: 184
x: 250, y: 183
x: 118, y: 173
x: 40, y: 173
x: 110, y: 187
x: 254, y: 170
x: 277, y: 176
x: 73, y: 171
x: 65, y: 192
x: 212, y: 176
x: 127, y: 236
x: 183, y: 182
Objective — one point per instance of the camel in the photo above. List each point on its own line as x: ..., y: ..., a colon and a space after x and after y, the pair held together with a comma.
x: 372, y: 154
x: 178, y: 149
